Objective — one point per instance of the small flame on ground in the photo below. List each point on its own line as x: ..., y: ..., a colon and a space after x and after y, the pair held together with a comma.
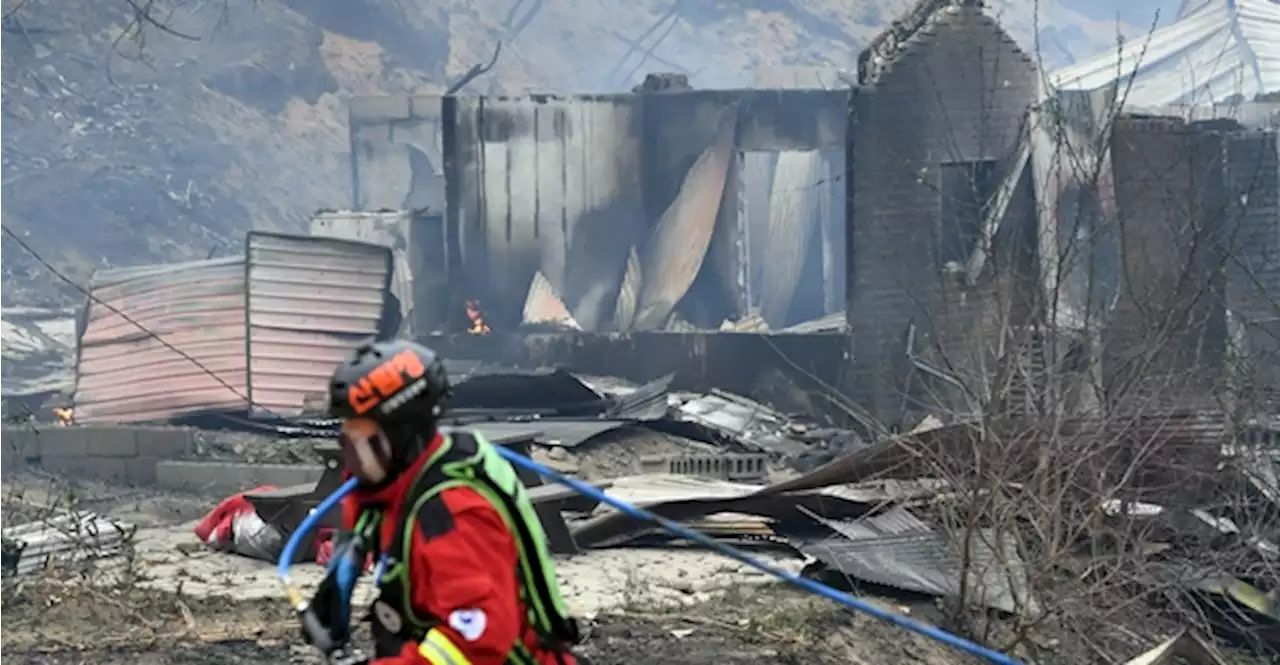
x: 66, y: 416
x: 478, y: 326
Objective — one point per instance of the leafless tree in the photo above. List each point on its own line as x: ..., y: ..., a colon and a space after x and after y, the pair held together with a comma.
x: 1097, y: 428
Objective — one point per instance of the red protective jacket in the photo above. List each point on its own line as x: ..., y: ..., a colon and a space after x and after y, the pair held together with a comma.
x: 470, y: 568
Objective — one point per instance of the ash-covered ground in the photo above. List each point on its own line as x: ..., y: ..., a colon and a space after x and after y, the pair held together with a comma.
x: 171, y: 600
x: 56, y: 621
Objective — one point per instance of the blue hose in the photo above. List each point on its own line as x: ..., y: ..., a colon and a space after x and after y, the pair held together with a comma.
x: 932, y: 632
x: 807, y: 584
x: 299, y: 536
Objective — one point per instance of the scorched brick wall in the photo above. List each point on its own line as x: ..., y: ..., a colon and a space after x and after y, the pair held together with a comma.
x: 946, y: 103
x: 1166, y: 337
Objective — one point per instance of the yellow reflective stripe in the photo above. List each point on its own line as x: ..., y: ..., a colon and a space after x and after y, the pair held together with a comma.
x: 438, y: 649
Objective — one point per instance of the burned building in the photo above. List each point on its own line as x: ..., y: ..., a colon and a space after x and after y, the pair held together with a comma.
x: 936, y: 133
x: 964, y: 233
x: 1165, y: 336
x: 631, y: 208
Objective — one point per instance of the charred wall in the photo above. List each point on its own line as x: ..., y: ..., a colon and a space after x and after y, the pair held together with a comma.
x: 1166, y: 337
x: 397, y: 158
x: 934, y: 131
x: 1253, y: 275
x: 761, y: 246
x: 573, y: 187
x: 544, y: 184
x: 791, y: 372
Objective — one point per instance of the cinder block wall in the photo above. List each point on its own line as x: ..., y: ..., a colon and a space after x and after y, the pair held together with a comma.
x: 114, y: 453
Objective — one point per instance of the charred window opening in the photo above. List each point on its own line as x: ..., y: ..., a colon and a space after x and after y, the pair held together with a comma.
x: 965, y: 190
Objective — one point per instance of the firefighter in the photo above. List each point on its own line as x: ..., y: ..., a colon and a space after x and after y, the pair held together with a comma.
x: 465, y: 577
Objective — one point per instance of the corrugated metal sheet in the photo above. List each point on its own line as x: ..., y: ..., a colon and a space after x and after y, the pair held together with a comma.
x: 757, y: 183
x: 793, y: 204
x: 392, y: 229
x: 126, y: 373
x: 1217, y: 50
x: 728, y: 252
x: 898, y: 550
x: 543, y: 304
x: 557, y: 190
x: 624, y: 312
x: 676, y: 249
x: 309, y: 300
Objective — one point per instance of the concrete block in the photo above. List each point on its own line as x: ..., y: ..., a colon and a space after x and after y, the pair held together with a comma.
x: 232, y: 476
x: 165, y: 442
x: 63, y: 442
x: 141, y: 470
x: 110, y: 441
x: 21, y: 442
x: 86, y: 467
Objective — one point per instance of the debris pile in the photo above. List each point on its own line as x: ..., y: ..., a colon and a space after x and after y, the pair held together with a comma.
x: 61, y: 540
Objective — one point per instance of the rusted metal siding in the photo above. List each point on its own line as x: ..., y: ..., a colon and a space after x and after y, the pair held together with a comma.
x: 128, y: 369
x: 545, y: 183
x: 949, y: 86
x: 310, y: 300
x: 389, y: 229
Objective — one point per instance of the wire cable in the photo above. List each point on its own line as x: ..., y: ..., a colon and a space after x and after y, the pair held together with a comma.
x: 851, y: 602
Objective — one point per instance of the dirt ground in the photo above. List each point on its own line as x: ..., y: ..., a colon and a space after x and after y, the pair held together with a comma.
x: 50, y: 621
x: 638, y: 606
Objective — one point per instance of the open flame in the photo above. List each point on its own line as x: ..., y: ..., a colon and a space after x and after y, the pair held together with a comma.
x: 478, y: 326
x: 66, y: 415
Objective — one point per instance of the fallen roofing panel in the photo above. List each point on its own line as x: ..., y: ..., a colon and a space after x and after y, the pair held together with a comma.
x: 127, y: 368
x: 896, y: 549
x: 683, y: 498
x: 310, y: 300
x: 741, y: 421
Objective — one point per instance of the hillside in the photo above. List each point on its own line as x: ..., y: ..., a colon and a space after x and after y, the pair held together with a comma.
x: 150, y: 146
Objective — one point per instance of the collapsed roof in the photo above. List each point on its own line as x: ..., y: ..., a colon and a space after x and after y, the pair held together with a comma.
x: 1217, y: 51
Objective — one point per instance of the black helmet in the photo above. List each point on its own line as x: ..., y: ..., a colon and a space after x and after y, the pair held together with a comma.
x: 391, y: 380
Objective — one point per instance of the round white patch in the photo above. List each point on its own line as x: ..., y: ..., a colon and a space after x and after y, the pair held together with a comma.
x: 470, y: 623
x: 388, y: 617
